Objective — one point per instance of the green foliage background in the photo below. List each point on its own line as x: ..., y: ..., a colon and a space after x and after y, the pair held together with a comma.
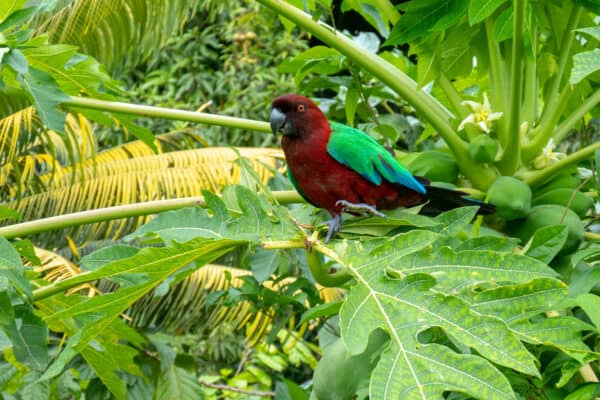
x: 233, y: 294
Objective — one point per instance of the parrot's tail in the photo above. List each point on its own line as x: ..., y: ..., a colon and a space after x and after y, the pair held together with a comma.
x: 441, y: 199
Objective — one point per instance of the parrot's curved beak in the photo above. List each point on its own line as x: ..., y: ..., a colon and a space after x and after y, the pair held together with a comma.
x: 278, y: 121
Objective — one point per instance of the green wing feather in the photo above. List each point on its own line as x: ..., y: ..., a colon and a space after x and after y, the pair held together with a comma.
x: 359, y: 151
x: 294, y: 183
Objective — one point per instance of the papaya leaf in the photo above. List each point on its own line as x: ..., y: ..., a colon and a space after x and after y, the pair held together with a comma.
x: 457, y: 219
x: 494, y: 243
x: 503, y: 27
x: 481, y: 9
x: 520, y: 301
x: 410, y: 283
x: 106, y: 360
x: 27, y: 251
x: 593, y: 31
x: 17, y: 61
x: 407, y: 369
x: 255, y: 223
x: 378, y: 226
x: 46, y: 95
x: 546, y: 242
x: 455, y: 271
x: 154, y: 264
x: 28, y: 336
x: 591, y: 305
x: 74, y: 73
x: 113, y: 344
x: 422, y: 17
x: 177, y: 383
x: 563, y: 332
x: 12, y: 270
x: 10, y: 6
x: 263, y: 263
x: 322, y: 310
x: 584, y: 64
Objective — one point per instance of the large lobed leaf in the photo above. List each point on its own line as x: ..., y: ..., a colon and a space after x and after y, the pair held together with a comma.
x: 489, y: 300
x: 257, y: 222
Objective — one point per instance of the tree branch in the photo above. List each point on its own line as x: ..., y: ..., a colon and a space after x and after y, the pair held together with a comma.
x: 123, y: 211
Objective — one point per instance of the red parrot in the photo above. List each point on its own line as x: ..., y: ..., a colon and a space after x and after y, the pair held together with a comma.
x: 342, y: 169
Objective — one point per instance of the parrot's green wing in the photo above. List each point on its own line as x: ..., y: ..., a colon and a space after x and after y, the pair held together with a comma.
x: 294, y: 182
x: 359, y: 151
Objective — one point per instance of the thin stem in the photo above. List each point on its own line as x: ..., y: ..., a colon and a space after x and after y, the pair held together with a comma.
x: 319, y: 272
x: 565, y: 50
x: 123, y: 211
x: 530, y: 95
x: 576, y: 116
x: 456, y: 102
x: 543, y: 132
x: 591, y: 236
x: 64, y: 285
x: 497, y: 78
x: 512, y: 151
x: 539, y: 177
x: 166, y: 113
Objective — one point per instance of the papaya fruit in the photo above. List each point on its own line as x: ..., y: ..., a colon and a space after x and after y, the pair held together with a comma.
x: 550, y: 214
x: 577, y: 201
x: 339, y: 374
x: 433, y: 165
x: 511, y: 197
x: 566, y: 180
x: 483, y: 149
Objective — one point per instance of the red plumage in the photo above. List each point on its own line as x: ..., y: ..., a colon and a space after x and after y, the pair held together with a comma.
x: 321, y: 178
x: 330, y: 184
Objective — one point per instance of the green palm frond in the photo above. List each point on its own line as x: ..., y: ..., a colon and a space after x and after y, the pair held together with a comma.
x: 119, y: 33
x: 109, y: 182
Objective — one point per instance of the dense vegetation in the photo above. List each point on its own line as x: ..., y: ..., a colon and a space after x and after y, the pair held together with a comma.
x: 141, y: 257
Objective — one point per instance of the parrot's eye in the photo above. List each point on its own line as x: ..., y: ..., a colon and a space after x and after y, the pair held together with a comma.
x: 300, y: 108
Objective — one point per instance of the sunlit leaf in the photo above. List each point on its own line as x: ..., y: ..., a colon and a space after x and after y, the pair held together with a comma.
x: 46, y: 97
x: 481, y: 9
x: 584, y: 64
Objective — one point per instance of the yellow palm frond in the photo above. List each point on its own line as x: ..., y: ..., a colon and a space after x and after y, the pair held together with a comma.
x: 26, y: 148
x: 170, y: 175
x: 54, y: 268
x: 11, y: 128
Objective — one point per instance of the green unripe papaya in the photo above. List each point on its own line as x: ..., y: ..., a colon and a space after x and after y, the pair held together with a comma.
x: 339, y: 375
x: 579, y: 202
x: 433, y: 165
x: 561, y: 181
x: 511, y: 197
x: 550, y: 214
x: 483, y: 149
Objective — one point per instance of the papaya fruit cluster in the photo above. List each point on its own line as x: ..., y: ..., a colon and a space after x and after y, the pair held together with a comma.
x: 559, y: 202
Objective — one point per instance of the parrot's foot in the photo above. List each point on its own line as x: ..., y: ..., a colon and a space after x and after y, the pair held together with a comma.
x: 334, y: 225
x: 359, y: 208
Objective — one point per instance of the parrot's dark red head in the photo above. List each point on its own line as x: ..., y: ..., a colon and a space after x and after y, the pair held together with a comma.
x: 295, y: 115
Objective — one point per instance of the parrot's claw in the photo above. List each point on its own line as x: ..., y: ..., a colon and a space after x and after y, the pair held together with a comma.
x: 359, y: 208
x: 334, y: 225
